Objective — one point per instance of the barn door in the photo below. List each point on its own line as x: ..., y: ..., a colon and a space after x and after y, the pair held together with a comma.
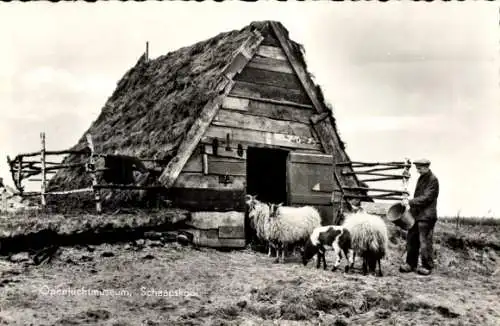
x: 310, y: 181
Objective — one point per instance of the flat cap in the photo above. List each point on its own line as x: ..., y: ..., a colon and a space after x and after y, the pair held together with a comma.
x: 422, y: 161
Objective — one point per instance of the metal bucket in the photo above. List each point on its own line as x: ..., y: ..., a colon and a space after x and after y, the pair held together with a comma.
x: 400, y: 216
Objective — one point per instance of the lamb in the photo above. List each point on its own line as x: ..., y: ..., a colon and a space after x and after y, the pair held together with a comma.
x: 369, y: 239
x: 333, y: 237
x: 287, y: 225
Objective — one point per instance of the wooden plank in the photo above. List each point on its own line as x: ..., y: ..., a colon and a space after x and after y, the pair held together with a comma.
x: 271, y: 78
x: 271, y: 101
x: 320, y: 158
x: 269, y: 110
x: 256, y: 91
x: 232, y: 232
x: 228, y: 118
x: 262, y: 137
x: 195, y: 133
x: 310, y: 199
x: 194, y: 164
x: 199, y: 180
x: 271, y: 65
x: 214, y: 220
x: 206, y: 238
x: 223, y: 152
x: 271, y: 52
x: 208, y: 199
x: 223, y: 165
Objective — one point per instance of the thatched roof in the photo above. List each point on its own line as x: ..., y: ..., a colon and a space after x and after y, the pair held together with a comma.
x: 156, y: 102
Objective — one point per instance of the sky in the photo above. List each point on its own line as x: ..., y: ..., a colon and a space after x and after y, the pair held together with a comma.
x: 404, y: 79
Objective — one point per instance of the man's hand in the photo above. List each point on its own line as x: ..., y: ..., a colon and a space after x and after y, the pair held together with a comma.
x: 405, y: 202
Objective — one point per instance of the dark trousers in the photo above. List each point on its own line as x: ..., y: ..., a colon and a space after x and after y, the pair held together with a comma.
x: 419, y: 240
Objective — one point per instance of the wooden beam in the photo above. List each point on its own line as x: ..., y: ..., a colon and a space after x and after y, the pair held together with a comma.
x: 214, y: 220
x: 382, y: 169
x: 273, y: 52
x: 74, y: 191
x: 270, y: 78
x: 262, y: 137
x: 271, y: 65
x: 319, y: 158
x: 199, y: 180
x: 395, y: 176
x: 256, y: 91
x: 270, y: 110
x: 195, y: 133
x: 199, y: 199
x: 223, y: 166
x: 271, y: 101
x: 227, y: 118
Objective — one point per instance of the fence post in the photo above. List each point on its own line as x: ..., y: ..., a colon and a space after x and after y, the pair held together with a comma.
x: 406, y: 177
x: 91, y: 170
x: 19, y: 173
x: 42, y: 161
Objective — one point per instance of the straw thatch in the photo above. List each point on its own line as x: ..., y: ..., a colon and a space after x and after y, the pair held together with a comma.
x: 156, y: 102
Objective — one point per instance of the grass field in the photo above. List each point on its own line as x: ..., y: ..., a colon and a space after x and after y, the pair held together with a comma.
x: 154, y: 283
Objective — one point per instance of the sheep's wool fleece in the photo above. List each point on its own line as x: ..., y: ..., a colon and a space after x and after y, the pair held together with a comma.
x: 368, y: 233
x: 292, y: 224
x: 258, y: 214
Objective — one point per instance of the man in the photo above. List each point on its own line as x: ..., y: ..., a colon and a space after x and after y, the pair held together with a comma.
x: 423, y: 209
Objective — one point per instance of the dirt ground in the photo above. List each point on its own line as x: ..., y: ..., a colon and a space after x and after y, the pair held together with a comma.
x: 151, y: 283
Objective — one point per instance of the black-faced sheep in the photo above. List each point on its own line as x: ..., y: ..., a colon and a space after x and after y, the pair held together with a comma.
x: 332, y: 237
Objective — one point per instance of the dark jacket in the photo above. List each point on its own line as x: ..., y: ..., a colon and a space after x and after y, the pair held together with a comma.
x: 424, y: 202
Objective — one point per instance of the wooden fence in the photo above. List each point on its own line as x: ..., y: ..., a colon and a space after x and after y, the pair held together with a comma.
x: 372, y: 172
x: 25, y: 166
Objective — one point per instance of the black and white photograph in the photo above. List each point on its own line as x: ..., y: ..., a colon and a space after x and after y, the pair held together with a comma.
x: 250, y: 163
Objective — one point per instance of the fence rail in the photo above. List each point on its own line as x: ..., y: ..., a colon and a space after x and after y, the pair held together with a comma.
x: 25, y: 166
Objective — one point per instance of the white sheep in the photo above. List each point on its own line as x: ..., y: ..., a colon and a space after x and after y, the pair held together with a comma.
x: 369, y: 238
x: 258, y: 213
x: 288, y: 225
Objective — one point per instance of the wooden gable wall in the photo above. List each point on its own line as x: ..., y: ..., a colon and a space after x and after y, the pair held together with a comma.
x: 267, y: 107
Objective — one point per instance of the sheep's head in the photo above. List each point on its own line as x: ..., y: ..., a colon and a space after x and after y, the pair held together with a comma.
x: 273, y: 209
x: 308, y: 251
x: 250, y: 201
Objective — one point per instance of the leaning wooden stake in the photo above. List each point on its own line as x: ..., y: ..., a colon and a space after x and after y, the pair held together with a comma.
x: 91, y: 169
x: 44, y: 176
x: 406, y: 178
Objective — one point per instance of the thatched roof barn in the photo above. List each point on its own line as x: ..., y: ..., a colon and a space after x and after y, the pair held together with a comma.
x: 234, y: 114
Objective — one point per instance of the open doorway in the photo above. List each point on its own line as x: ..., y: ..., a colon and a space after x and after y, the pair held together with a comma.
x: 266, y: 174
